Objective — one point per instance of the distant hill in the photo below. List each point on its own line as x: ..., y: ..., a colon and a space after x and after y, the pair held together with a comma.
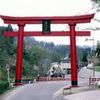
x: 63, y: 50
x: 36, y: 54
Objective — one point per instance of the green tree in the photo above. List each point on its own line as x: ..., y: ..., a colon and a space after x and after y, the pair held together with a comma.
x: 96, y: 4
x: 6, y: 43
x: 6, y: 50
x: 98, y: 49
x: 55, y: 57
x: 84, y: 58
x: 96, y: 1
x: 9, y: 28
x: 37, y: 56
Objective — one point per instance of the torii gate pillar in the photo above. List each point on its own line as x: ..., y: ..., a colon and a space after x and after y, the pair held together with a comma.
x: 73, y: 55
x: 19, y: 60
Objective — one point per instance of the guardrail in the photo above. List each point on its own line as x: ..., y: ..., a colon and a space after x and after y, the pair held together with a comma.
x: 30, y: 80
x: 52, y: 79
x: 93, y: 80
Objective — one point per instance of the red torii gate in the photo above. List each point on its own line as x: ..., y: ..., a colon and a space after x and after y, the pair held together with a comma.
x: 70, y: 20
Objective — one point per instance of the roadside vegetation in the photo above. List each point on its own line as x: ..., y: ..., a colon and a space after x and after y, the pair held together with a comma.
x: 97, y: 68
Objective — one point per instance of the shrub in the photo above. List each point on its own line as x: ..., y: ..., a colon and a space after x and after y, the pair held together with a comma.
x: 3, y: 86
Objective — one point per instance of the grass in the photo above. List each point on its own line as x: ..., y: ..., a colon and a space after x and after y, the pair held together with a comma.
x: 97, y: 68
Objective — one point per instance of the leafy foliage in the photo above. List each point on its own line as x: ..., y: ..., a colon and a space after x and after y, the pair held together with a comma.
x: 3, y: 87
x: 37, y: 55
x: 84, y: 58
x: 98, y: 49
x: 96, y: 1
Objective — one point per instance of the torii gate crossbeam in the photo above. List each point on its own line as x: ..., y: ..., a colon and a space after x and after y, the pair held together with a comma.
x: 70, y: 20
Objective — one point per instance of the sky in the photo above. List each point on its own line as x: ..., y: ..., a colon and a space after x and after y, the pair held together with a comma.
x: 53, y: 8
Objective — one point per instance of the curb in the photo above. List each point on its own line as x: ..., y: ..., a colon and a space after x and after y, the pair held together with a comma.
x: 65, y: 91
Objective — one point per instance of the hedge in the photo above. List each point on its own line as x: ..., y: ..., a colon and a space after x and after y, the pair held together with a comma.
x: 3, y: 86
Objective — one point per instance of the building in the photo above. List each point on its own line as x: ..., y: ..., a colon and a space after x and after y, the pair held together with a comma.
x: 60, y: 69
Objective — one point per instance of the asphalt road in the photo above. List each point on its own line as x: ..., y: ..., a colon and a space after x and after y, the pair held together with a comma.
x: 36, y: 91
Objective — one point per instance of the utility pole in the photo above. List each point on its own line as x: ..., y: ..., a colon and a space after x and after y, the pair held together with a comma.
x: 93, y: 54
x: 8, y: 77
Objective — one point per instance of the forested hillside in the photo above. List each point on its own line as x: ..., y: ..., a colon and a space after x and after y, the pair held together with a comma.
x: 37, y: 55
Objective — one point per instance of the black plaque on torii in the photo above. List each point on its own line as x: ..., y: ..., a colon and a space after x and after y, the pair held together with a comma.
x: 46, y: 26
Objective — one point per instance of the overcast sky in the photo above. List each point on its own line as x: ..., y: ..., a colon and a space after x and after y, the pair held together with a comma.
x: 52, y: 8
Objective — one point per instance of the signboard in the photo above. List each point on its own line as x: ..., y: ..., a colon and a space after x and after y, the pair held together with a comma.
x: 7, y: 66
x: 46, y: 26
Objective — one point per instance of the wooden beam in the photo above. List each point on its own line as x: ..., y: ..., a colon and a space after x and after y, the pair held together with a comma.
x: 54, y: 19
x: 53, y: 33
